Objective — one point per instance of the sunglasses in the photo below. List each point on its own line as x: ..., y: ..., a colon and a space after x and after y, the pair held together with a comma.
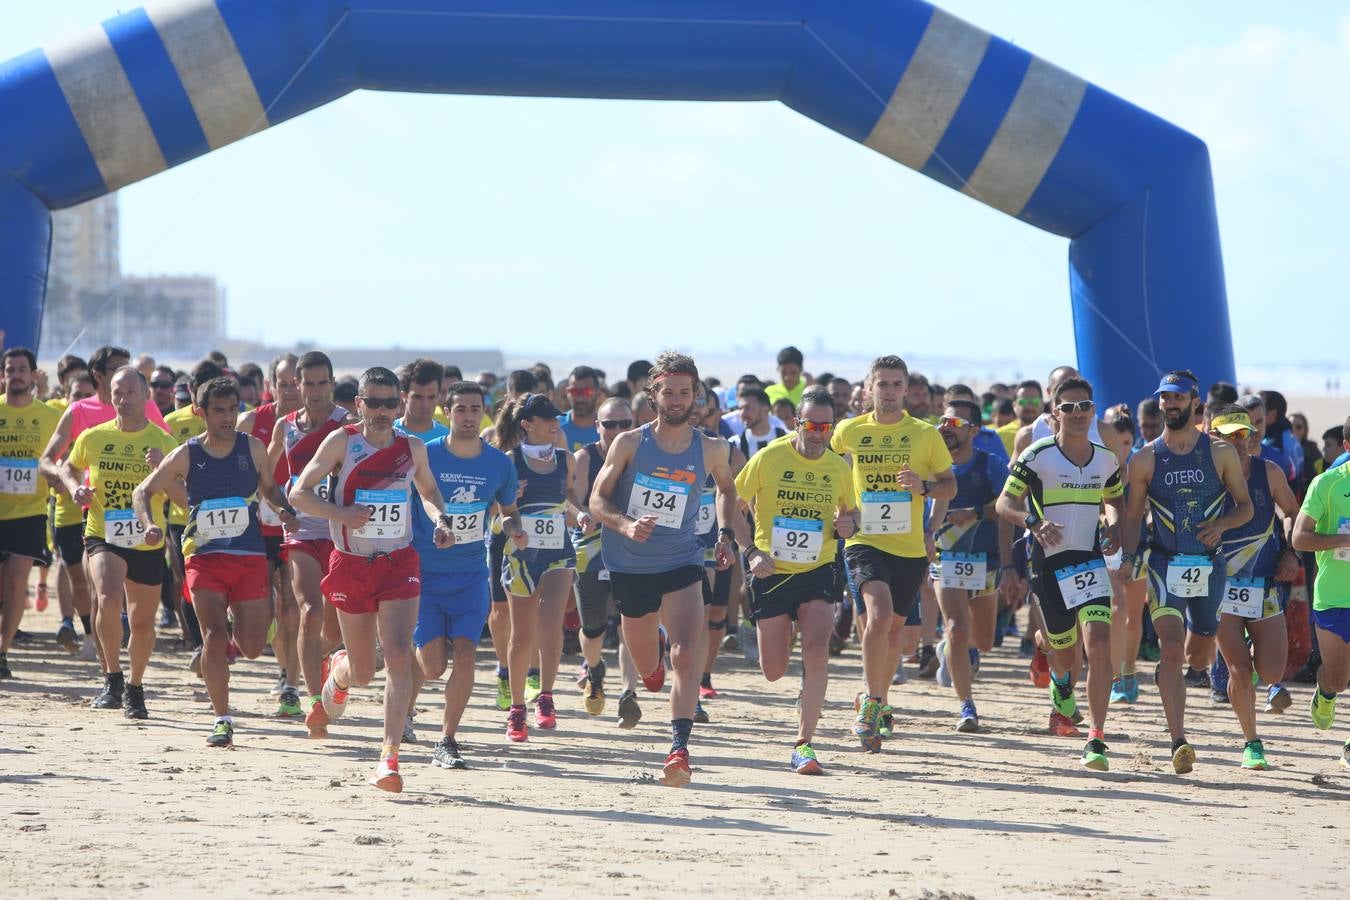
x: 581, y: 392
x: 955, y: 422
x: 161, y: 385
x: 1241, y: 434
x: 816, y: 427
x: 616, y: 423
x: 1028, y: 401
x: 1077, y: 406
x: 380, y: 403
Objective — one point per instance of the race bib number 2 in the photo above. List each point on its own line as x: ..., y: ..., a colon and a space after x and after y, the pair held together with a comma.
x: 659, y: 497
x: 18, y: 476
x: 886, y: 512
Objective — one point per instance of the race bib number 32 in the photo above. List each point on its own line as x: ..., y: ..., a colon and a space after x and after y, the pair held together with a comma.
x: 659, y: 497
x: 388, y: 514
x: 797, y: 540
x: 466, y: 521
x: 886, y: 512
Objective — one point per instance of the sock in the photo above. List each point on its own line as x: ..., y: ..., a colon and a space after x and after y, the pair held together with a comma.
x: 1179, y: 742
x: 86, y: 622
x: 532, y: 670
x: 679, y: 734
x: 226, y: 719
x: 503, y: 673
x: 389, y: 752
x: 1324, y: 695
x: 116, y: 680
x: 706, y: 681
x: 596, y: 673
x: 1096, y: 734
x: 68, y: 622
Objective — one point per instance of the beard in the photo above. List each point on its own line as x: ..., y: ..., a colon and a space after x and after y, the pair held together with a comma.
x: 1178, y: 419
x: 670, y: 418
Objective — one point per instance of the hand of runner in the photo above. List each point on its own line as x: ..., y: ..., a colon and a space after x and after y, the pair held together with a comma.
x: 585, y: 522
x: 761, y: 564
x: 1288, y: 567
x: 962, y: 517
x: 153, y: 457
x: 154, y: 535
x: 1048, y: 533
x: 723, y: 555
x: 355, y: 517
x: 641, y: 529
x: 1209, y: 534
x: 1110, y: 539
x: 84, y: 495
x: 909, y: 480
x: 1012, y: 587
x: 845, y: 525
x: 442, y: 536
x: 520, y: 539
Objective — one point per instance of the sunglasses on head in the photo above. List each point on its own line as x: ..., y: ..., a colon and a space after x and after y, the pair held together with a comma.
x: 380, y: 403
x: 616, y: 423
x: 816, y: 427
x: 581, y: 392
x: 1028, y: 401
x: 955, y: 422
x: 1075, y: 406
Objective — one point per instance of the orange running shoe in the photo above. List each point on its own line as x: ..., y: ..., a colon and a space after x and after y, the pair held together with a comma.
x: 334, y: 697
x: 1063, y: 726
x: 317, y: 719
x: 1040, y: 669
x: 675, y: 773
x: 41, y: 603
x: 386, y: 776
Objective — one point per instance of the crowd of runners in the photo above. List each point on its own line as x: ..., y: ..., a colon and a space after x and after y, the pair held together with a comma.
x: 653, y: 521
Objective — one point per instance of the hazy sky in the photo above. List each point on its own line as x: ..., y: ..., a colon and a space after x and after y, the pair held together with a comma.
x: 527, y: 224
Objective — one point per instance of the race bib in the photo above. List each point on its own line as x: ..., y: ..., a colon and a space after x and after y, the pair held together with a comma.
x: 267, y: 515
x: 886, y: 512
x: 19, y: 476
x: 388, y: 513
x: 1244, y: 597
x: 659, y: 497
x: 467, y: 521
x: 707, y: 510
x: 1343, y: 553
x: 545, y: 530
x: 797, y: 540
x: 1083, y: 583
x: 967, y: 571
x: 603, y: 576
x: 122, y: 529
x: 222, y: 519
x: 321, y: 490
x: 1188, y: 576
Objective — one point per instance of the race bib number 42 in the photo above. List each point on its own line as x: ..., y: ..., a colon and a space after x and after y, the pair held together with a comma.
x: 1083, y: 583
x: 659, y: 497
x: 797, y: 540
x: 18, y: 476
x: 1188, y: 576
x: 886, y: 512
x: 122, y: 529
x: 388, y: 514
x: 222, y: 519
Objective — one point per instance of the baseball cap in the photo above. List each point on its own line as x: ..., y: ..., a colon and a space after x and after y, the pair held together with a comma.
x: 1231, y: 422
x: 1173, y: 383
x: 537, y: 405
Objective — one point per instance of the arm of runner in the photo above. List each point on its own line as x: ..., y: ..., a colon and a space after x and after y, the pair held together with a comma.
x: 511, y: 525
x: 1138, y: 473
x: 1287, y: 568
x: 276, y: 447
x: 1229, y: 466
x: 324, y: 463
x: 50, y: 464
x: 246, y: 421
x: 167, y: 478
x: 581, y: 480
x: 1305, y: 535
x: 575, y: 491
x: 430, y: 492
x: 267, y: 486
x: 602, y: 505
x: 1012, y: 506
x: 729, y: 517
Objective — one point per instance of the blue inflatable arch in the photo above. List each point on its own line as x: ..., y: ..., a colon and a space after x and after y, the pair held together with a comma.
x: 161, y: 85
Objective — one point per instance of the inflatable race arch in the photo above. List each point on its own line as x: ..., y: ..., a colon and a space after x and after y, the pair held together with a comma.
x: 155, y: 87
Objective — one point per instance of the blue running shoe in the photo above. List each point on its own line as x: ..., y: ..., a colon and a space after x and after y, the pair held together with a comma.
x: 969, y: 722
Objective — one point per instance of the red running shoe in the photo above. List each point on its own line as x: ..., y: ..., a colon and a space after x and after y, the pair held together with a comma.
x: 675, y: 773
x: 656, y: 680
x: 707, y: 692
x: 516, y: 729
x: 386, y: 776
x: 545, y: 715
x: 1040, y: 669
x: 1063, y: 726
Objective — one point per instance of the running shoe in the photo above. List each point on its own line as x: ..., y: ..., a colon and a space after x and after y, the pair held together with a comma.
x: 928, y: 662
x: 503, y: 693
x: 1118, y: 693
x: 675, y: 773
x: 583, y: 673
x: 1183, y: 758
x: 1040, y: 668
x: 1131, y: 688
x: 750, y: 646
x: 630, y: 711
x: 1064, y: 703
x: 41, y: 601
x: 288, y: 706
x: 1197, y: 678
x: 447, y: 755
x: 88, y: 652
x: 1323, y: 711
x: 1094, y: 756
x: 1027, y: 648
x: 656, y: 680
x: 899, y: 677
x: 1149, y: 651
x: 1063, y: 726
x: 1254, y: 756
x: 545, y: 715
x: 133, y: 704
x: 865, y: 725
x: 195, y: 663
x: 1218, y: 697
x: 4, y: 667
x: 516, y: 729
x: 944, y: 669
x: 1345, y: 756
x: 409, y: 732
x: 886, y: 722
x: 969, y: 722
x: 731, y: 643
x: 701, y: 714
x: 974, y: 662
x: 221, y: 736
x: 533, y: 688
x: 386, y: 776
x: 277, y: 689
x: 804, y: 761
x: 317, y: 718
x: 707, y: 692
x: 334, y: 697
x: 67, y: 638
x: 111, y: 695
x: 594, y: 701
x: 167, y: 618
x: 1278, y: 699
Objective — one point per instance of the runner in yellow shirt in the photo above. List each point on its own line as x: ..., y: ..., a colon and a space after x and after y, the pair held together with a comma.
x: 898, y: 462
x: 119, y: 455
x: 26, y: 425
x: 801, y: 494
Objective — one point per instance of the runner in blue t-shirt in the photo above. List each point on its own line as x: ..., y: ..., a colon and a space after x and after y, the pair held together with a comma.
x: 472, y: 477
